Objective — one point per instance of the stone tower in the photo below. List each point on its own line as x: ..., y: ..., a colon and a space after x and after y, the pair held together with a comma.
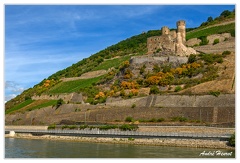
x: 165, y: 30
x: 181, y: 28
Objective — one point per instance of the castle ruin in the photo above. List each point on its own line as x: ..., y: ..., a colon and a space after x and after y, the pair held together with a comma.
x: 170, y: 42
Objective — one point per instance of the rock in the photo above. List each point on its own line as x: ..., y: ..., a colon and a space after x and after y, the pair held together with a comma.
x: 193, y: 41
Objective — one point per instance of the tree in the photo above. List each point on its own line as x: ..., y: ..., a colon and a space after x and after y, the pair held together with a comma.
x: 210, y: 19
x: 59, y: 103
x: 225, y: 13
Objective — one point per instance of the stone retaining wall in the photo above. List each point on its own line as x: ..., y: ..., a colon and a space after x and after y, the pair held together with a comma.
x: 205, y: 108
x: 67, y: 97
x: 225, y: 100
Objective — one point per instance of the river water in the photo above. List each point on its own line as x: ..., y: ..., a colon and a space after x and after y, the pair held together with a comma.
x: 27, y: 148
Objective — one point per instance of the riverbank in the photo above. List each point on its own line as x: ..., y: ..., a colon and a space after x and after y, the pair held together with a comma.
x: 195, y: 143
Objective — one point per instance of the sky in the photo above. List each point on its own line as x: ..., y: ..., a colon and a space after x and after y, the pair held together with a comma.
x: 43, y: 39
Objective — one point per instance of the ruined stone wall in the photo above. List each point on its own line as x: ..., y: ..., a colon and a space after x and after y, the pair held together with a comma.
x: 170, y: 43
x: 158, y: 60
x: 165, y: 30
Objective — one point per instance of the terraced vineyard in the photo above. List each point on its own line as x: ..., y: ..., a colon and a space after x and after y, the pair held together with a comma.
x: 73, y: 86
x: 30, y: 105
x: 111, y: 63
x: 229, y: 28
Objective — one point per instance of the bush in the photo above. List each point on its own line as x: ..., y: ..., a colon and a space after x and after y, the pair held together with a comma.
x: 216, y: 41
x: 180, y: 119
x: 52, y: 127
x: 160, y: 120
x: 211, y: 58
x: 178, y: 88
x: 156, y: 68
x: 142, y: 69
x: 153, y: 120
x: 133, y: 106
x: 72, y: 127
x: 204, y: 40
x: 129, y: 119
x: 214, y: 93
x: 232, y: 140
x: 225, y: 53
x: 107, y: 127
x: 127, y: 127
x: 192, y: 58
x: 154, y: 89
x: 59, y: 103
x: 65, y: 126
x: 82, y: 127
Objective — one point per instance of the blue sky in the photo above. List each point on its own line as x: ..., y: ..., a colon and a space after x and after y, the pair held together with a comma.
x: 43, y: 39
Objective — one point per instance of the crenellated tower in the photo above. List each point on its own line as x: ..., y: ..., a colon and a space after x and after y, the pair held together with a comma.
x: 181, y: 28
x: 165, y: 30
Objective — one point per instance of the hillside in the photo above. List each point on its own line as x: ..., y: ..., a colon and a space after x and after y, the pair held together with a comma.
x: 109, y: 73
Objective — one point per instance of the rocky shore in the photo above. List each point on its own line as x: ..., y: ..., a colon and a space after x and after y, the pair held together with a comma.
x: 194, y: 143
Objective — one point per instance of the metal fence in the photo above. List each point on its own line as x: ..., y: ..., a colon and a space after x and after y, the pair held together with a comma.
x: 116, y: 132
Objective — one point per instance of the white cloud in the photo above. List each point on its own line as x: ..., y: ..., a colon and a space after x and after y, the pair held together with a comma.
x: 9, y: 97
x: 13, y: 87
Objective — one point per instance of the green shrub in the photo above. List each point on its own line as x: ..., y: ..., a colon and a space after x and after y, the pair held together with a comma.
x: 51, y: 127
x: 82, y: 127
x: 156, y: 68
x: 232, y: 140
x: 216, y: 41
x: 183, y: 119
x: 204, y: 40
x: 65, y: 126
x: 178, y: 88
x: 154, y: 89
x: 153, y: 120
x: 180, y: 119
x: 142, y: 69
x: 225, y: 53
x: 192, y: 58
x: 129, y: 119
x: 211, y: 58
x: 127, y: 127
x: 107, y: 127
x: 72, y: 127
x: 166, y: 68
x: 133, y: 106
x: 59, y: 103
x: 160, y: 120
x: 215, y: 93
x: 131, y: 139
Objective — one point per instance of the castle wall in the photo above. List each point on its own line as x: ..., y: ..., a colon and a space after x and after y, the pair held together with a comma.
x: 159, y: 60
